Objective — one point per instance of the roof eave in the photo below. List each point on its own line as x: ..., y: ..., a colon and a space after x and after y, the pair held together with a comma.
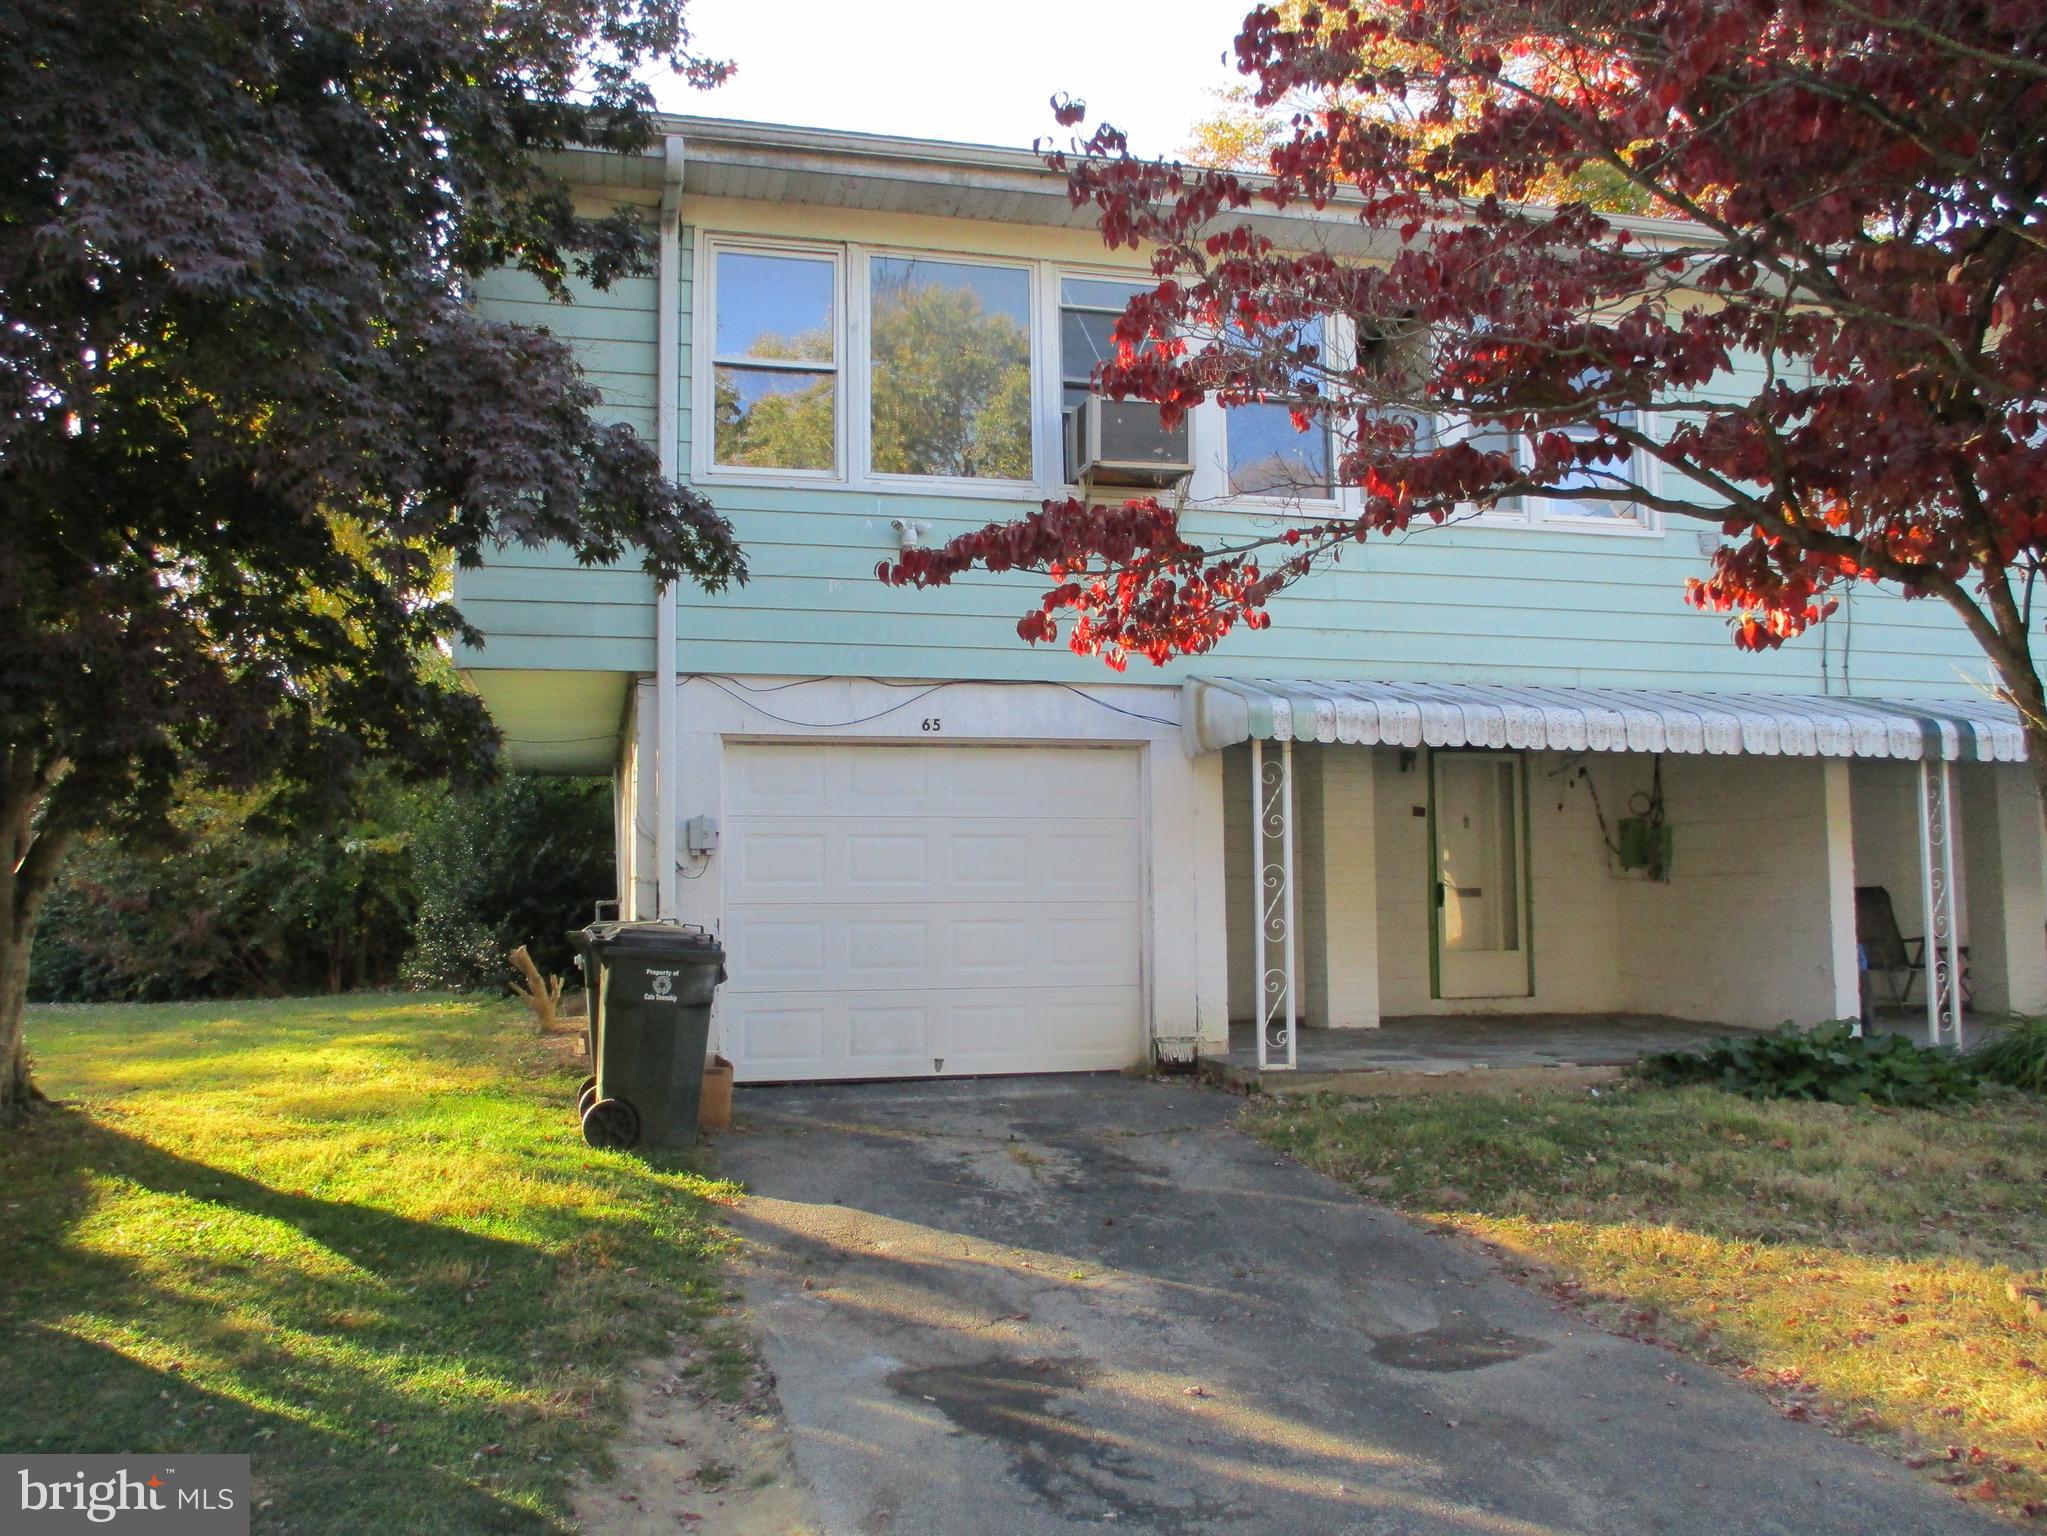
x: 834, y: 167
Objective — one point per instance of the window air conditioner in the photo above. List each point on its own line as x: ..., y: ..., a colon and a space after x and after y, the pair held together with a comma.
x: 1122, y: 442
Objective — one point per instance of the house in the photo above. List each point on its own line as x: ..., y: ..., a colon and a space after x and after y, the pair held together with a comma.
x: 1496, y: 767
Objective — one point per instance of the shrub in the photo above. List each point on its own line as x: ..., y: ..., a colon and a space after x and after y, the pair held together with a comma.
x: 446, y: 883
x: 233, y: 906
x: 1830, y: 1063
x: 517, y: 862
x: 2017, y: 1057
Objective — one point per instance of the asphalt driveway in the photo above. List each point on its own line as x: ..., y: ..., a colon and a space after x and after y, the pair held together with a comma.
x: 1017, y: 1306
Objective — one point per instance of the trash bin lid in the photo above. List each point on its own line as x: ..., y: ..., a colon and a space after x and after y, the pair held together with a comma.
x: 665, y: 937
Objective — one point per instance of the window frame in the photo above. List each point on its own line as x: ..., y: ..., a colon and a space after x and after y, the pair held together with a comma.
x: 1628, y: 520
x: 1056, y: 275
x: 1337, y: 347
x: 1556, y: 514
x: 860, y: 317
x: 704, y: 379
x: 1208, y: 426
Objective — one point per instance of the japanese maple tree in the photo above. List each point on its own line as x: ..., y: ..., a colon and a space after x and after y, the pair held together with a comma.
x: 1833, y: 348
x: 248, y: 416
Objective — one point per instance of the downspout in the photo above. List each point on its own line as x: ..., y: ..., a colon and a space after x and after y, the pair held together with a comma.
x: 668, y: 428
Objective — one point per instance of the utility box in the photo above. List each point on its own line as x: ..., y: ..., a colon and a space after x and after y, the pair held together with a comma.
x: 651, y: 986
x: 1645, y: 845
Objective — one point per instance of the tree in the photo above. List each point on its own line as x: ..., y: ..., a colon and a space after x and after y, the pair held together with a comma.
x: 1244, y: 130
x: 239, y: 906
x: 517, y: 862
x: 248, y: 416
x: 1836, y: 354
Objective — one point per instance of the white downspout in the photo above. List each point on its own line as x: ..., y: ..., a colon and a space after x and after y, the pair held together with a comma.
x: 668, y: 428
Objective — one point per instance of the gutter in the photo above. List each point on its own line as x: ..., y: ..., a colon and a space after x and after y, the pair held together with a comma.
x: 668, y: 430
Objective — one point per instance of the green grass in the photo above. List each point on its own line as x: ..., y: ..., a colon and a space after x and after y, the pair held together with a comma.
x: 1851, y: 1262
x: 359, y: 1239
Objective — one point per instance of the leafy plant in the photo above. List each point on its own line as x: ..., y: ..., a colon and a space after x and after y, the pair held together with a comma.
x: 1831, y: 1063
x: 243, y: 904
x: 237, y: 904
x: 516, y: 862
x: 1854, y: 262
x: 2017, y: 1057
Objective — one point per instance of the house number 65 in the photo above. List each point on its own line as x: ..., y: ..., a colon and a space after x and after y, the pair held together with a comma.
x: 933, y: 723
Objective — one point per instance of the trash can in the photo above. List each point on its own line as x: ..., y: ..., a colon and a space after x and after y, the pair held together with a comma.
x: 649, y: 1030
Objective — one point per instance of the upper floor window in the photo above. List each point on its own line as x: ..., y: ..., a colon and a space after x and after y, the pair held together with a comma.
x: 1267, y: 455
x: 1088, y: 310
x: 774, y: 361
x: 950, y: 379
x: 1589, y: 513
x: 1608, y: 509
x: 1398, y: 354
x: 889, y: 370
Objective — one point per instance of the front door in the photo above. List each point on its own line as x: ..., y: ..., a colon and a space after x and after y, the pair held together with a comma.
x: 1478, y: 888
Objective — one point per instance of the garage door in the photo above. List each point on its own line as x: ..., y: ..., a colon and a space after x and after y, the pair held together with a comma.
x: 897, y: 911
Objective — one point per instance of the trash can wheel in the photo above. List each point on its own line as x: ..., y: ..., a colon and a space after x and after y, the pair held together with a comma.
x: 586, y: 1095
x: 611, y: 1123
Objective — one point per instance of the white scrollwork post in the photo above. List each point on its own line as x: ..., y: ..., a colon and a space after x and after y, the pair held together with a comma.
x: 1272, y: 865
x: 1941, y: 950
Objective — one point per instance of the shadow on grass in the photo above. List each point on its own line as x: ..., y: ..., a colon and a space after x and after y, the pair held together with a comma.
x: 384, y: 1373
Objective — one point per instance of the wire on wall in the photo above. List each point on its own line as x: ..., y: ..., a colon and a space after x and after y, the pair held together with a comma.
x: 737, y: 689
x: 1646, y: 805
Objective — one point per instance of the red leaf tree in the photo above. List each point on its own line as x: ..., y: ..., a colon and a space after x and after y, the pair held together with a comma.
x: 1834, y: 350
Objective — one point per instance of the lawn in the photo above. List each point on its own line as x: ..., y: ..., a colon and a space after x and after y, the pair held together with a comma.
x: 359, y: 1239
x: 1852, y: 1263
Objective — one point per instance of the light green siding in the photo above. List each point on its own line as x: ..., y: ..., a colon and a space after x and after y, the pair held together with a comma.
x: 1454, y: 604
x: 537, y: 608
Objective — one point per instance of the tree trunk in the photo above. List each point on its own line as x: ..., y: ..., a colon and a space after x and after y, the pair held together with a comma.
x: 18, y: 1091
x: 2024, y: 691
x: 32, y: 848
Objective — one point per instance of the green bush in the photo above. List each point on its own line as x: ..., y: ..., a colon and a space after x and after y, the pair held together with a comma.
x: 233, y: 907
x: 444, y: 884
x: 2017, y: 1057
x: 520, y: 861
x: 1830, y: 1063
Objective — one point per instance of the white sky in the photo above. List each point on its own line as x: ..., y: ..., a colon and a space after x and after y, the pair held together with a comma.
x: 954, y: 69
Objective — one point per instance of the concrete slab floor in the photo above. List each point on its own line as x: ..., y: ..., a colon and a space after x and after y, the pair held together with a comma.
x: 1459, y: 1044
x: 1022, y: 1306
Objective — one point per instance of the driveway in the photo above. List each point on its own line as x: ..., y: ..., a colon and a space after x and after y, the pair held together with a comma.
x: 1021, y: 1305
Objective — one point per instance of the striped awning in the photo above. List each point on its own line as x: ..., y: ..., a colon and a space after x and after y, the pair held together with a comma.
x: 1219, y: 712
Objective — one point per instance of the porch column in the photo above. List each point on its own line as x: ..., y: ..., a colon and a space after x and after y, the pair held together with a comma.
x: 1339, y: 886
x: 2002, y: 859
x: 1844, y: 975
x: 1940, y: 916
x: 1276, y: 938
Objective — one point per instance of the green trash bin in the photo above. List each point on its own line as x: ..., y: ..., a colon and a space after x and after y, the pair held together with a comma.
x: 650, y: 1021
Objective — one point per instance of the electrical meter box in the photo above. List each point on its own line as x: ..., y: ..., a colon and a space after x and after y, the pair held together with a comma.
x: 1646, y: 845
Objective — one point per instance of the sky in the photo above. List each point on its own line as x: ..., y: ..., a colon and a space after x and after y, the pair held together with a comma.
x: 980, y: 73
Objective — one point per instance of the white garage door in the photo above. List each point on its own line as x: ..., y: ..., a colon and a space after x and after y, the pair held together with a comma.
x: 897, y: 911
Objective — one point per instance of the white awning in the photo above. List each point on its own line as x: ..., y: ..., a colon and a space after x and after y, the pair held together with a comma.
x: 1219, y: 712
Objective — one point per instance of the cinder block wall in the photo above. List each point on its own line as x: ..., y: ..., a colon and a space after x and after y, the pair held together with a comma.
x: 1742, y: 932
x: 2001, y: 846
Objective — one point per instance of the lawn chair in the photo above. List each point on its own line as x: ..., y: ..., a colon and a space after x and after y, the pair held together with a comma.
x: 1888, y: 953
